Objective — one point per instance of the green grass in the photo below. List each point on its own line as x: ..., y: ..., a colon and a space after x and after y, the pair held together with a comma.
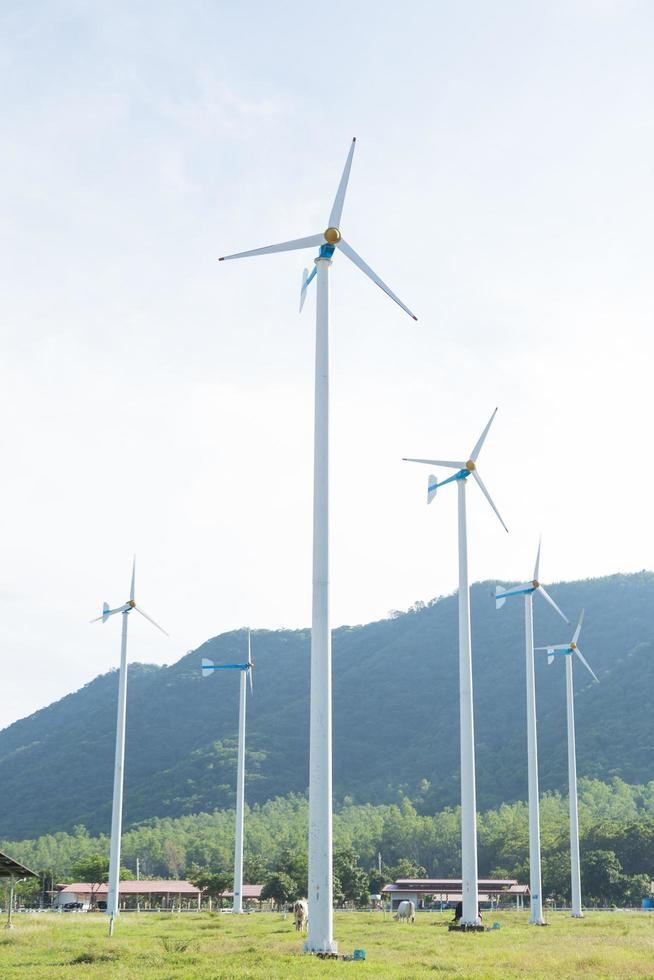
x: 263, y: 945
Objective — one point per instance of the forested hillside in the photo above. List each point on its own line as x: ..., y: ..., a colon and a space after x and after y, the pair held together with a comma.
x: 395, y: 716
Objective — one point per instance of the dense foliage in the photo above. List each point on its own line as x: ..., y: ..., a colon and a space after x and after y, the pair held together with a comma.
x: 617, y: 844
x: 395, y: 716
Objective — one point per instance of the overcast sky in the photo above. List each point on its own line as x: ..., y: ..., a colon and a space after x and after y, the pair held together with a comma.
x: 154, y: 401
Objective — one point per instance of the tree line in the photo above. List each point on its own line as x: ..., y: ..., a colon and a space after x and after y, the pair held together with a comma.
x: 616, y: 829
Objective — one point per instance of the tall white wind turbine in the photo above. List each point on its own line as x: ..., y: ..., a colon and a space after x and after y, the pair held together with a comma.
x: 469, y: 885
x: 501, y: 595
x: 320, y: 938
x: 568, y: 650
x: 246, y: 669
x: 119, y: 762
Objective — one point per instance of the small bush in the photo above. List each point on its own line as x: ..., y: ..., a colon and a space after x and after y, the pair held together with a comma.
x: 90, y: 957
x: 178, y: 945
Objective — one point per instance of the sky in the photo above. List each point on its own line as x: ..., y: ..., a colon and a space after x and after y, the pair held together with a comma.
x: 158, y: 403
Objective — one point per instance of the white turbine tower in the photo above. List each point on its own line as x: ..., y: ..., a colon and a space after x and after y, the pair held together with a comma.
x: 321, y: 926
x: 567, y: 650
x: 501, y: 595
x: 469, y: 885
x: 246, y: 669
x: 117, y: 806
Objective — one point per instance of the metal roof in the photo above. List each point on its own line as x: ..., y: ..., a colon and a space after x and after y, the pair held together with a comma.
x: 247, y: 891
x: 9, y: 868
x: 438, y: 886
x: 142, y: 887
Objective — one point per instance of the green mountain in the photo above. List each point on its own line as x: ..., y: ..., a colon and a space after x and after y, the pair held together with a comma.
x: 395, y: 715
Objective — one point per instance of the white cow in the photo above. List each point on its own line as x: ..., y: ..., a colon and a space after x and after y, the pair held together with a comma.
x: 301, y: 915
x: 406, y: 912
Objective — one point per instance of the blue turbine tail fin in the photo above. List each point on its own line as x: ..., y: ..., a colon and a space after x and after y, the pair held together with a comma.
x: 306, y: 279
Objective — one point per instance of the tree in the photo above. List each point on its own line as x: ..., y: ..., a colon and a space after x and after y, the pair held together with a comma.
x: 376, y: 881
x: 294, y: 864
x: 94, y: 870
x: 353, y: 881
x: 601, y: 876
x: 556, y: 876
x: 213, y: 884
x: 255, y: 870
x: 280, y: 888
x: 407, y: 868
x: 634, y: 888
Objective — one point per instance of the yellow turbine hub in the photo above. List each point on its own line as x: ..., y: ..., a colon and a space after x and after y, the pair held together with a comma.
x: 536, y: 584
x: 573, y: 646
x: 131, y: 603
x: 332, y: 236
x: 470, y: 466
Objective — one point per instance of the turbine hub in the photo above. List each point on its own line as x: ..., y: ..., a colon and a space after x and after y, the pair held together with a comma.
x: 332, y: 236
x: 470, y: 466
x: 573, y: 646
x: 536, y: 584
x: 131, y: 603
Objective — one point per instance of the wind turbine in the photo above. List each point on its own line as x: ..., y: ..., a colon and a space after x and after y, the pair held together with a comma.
x: 321, y: 925
x: 501, y: 595
x: 246, y: 669
x: 469, y: 885
x: 117, y: 806
x: 567, y: 650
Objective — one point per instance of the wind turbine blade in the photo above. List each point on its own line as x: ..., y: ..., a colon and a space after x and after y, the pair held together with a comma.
x: 309, y: 242
x: 586, y: 664
x: 358, y: 261
x: 434, y: 462
x: 500, y: 597
x: 488, y: 497
x: 207, y: 667
x: 250, y: 676
x: 557, y: 646
x: 131, y: 591
x: 578, y: 630
x: 151, y: 620
x: 432, y: 486
x: 549, y: 598
x: 339, y: 200
x: 480, y: 442
x: 550, y: 659
x: 537, y: 565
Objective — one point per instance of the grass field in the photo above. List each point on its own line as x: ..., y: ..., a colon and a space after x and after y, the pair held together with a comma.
x: 265, y: 945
